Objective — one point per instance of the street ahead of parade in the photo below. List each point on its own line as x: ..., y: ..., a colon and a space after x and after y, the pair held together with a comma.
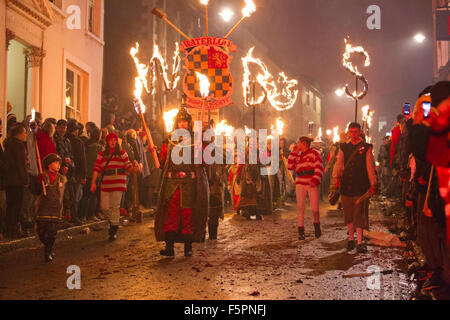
x: 250, y: 260
x: 246, y: 153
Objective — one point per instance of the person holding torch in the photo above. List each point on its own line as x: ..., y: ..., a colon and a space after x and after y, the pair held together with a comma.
x: 184, y: 203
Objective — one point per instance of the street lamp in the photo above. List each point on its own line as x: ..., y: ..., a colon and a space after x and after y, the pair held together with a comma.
x: 420, y: 38
x: 226, y: 14
x: 339, y: 92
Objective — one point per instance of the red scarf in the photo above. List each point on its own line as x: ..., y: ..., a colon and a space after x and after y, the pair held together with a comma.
x: 52, y: 175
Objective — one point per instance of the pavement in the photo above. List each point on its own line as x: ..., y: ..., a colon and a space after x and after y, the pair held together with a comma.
x: 7, y: 245
x: 251, y: 260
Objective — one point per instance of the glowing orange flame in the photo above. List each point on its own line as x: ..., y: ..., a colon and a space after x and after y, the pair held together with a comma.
x: 349, y: 50
x: 204, y: 84
x: 279, y: 127
x: 249, y: 8
x: 367, y: 115
x: 157, y: 57
x: 222, y: 128
x: 266, y: 82
x: 140, y: 82
x: 169, y: 117
x: 336, y: 137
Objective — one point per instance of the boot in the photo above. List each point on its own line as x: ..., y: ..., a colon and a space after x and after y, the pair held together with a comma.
x: 317, y: 231
x: 301, y: 233
x: 113, y: 232
x: 47, y: 253
x: 169, y: 251
x: 212, y: 231
x: 188, y: 246
x: 361, y: 248
x: 188, y: 249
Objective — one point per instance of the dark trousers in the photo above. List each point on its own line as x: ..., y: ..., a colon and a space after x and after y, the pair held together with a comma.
x: 88, y: 204
x: 47, y: 231
x: 14, y: 202
x: 213, y: 221
x: 429, y: 236
x: 76, y: 192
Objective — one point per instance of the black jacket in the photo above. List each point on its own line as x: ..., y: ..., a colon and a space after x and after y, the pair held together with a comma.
x: 64, y: 150
x: 15, y: 163
x: 79, y: 157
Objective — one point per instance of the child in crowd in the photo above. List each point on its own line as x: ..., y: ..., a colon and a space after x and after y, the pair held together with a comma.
x: 49, y: 205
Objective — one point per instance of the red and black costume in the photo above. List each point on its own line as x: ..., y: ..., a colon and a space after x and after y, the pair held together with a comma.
x: 184, y: 202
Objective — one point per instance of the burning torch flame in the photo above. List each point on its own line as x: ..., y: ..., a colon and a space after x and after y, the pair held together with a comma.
x: 204, y: 2
x: 329, y: 132
x: 204, y: 84
x: 279, y: 127
x: 348, y: 65
x: 320, y: 132
x: 367, y: 115
x: 336, y: 137
x: 249, y: 8
x: 140, y: 82
x: 33, y: 115
x: 266, y: 82
x: 222, y: 128
x: 157, y: 58
x: 169, y: 117
x: 349, y: 50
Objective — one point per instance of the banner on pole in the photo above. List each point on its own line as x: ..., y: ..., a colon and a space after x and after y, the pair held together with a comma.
x: 209, y: 56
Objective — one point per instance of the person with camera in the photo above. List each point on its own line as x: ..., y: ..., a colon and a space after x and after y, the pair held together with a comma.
x: 354, y: 173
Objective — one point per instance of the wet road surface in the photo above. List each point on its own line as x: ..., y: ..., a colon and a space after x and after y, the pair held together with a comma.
x: 250, y: 260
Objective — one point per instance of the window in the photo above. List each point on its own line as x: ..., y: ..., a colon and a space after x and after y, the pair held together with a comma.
x: 91, y: 16
x: 94, y: 17
x: 73, y: 94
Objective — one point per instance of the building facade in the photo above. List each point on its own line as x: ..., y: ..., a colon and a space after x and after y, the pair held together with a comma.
x: 441, y: 49
x: 51, y: 58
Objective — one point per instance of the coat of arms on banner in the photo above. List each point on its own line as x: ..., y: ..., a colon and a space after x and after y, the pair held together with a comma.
x: 211, y: 57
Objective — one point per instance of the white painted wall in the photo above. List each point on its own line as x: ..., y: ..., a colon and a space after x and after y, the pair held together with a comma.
x: 16, y: 78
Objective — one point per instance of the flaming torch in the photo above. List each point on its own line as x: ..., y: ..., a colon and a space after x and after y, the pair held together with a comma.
x: 248, y: 10
x: 204, y: 90
x: 336, y: 137
x: 367, y: 118
x: 279, y: 127
x: 33, y: 128
x: 205, y: 3
x: 349, y: 50
x: 222, y: 128
x: 140, y: 82
x: 169, y: 117
x: 162, y: 15
x: 281, y: 101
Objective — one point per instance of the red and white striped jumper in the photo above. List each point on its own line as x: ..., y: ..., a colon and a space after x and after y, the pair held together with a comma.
x: 308, y: 166
x: 113, y: 185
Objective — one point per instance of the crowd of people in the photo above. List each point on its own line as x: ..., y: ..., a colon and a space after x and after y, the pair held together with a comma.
x: 100, y: 170
x: 414, y: 171
x: 29, y: 143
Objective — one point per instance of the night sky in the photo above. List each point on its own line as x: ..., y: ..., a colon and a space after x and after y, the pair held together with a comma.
x: 307, y: 37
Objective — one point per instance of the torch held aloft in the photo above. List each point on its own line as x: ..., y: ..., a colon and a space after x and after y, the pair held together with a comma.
x: 150, y: 141
x: 38, y: 158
